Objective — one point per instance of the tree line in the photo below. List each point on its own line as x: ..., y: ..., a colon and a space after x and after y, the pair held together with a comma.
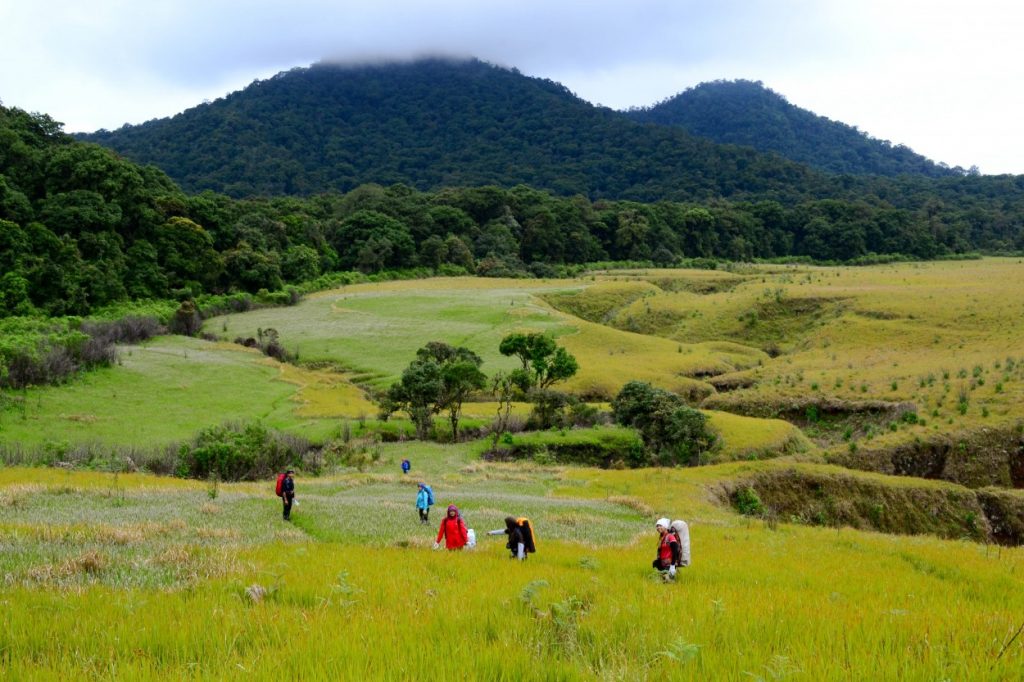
x: 82, y: 229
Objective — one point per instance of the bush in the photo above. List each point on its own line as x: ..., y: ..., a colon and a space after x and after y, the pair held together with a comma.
x: 748, y: 502
x: 36, y: 352
x: 673, y: 433
x: 236, y: 452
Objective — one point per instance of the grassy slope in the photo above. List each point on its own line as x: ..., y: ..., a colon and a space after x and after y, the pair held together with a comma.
x: 145, y: 578
x: 924, y: 333
x: 347, y: 326
x: 169, y: 388
x: 166, y: 390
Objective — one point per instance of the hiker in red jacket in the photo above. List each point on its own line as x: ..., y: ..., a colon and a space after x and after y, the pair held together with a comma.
x: 453, y: 530
x: 668, y: 550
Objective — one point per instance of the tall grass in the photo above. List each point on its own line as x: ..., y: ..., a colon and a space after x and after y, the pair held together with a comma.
x: 797, y: 605
x: 136, y: 577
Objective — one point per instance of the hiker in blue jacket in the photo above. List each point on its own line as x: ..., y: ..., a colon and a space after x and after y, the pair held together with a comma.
x: 424, y: 498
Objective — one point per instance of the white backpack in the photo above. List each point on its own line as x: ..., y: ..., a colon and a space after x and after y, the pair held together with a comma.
x: 470, y: 539
x: 683, y: 533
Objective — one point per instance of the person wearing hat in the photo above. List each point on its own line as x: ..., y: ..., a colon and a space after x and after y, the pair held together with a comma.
x: 453, y: 530
x: 668, y: 549
x: 288, y: 493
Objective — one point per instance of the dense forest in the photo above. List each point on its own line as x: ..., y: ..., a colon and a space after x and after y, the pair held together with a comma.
x: 434, y: 123
x: 746, y: 113
x: 82, y: 228
x: 437, y: 123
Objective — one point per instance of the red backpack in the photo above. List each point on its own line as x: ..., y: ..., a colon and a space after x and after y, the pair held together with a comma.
x: 280, y: 485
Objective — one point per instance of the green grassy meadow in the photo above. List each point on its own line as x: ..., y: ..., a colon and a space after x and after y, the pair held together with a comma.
x: 114, y: 575
x: 160, y: 392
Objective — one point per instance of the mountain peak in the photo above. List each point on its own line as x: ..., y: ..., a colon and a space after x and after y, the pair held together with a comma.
x: 745, y: 112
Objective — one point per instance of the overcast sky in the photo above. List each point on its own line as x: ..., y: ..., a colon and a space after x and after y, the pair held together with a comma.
x: 942, y: 77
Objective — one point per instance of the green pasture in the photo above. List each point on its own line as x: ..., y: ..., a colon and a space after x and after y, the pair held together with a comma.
x: 159, y: 392
x: 375, y: 329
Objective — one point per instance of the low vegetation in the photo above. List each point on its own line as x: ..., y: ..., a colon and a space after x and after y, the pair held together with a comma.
x: 792, y: 557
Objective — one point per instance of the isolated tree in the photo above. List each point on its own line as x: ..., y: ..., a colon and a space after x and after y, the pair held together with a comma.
x: 544, y: 362
x: 441, y: 378
x: 417, y: 393
x: 460, y: 377
x: 186, y: 319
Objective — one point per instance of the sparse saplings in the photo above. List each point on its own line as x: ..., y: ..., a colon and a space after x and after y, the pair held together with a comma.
x: 503, y: 388
x: 672, y: 432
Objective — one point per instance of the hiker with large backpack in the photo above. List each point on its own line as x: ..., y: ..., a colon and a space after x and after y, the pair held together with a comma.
x: 424, y: 501
x: 668, y: 550
x: 520, y: 536
x: 453, y: 530
x: 285, y: 489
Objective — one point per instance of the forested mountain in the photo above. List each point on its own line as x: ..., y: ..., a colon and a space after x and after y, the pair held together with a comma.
x: 439, y: 123
x: 746, y: 113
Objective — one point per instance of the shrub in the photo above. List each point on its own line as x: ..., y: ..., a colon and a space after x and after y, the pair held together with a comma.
x: 599, y: 447
x: 236, y: 452
x: 36, y: 352
x: 672, y: 432
x: 748, y: 502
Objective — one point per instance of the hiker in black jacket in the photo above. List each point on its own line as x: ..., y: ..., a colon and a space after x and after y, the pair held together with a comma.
x: 288, y: 494
x: 520, y: 537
